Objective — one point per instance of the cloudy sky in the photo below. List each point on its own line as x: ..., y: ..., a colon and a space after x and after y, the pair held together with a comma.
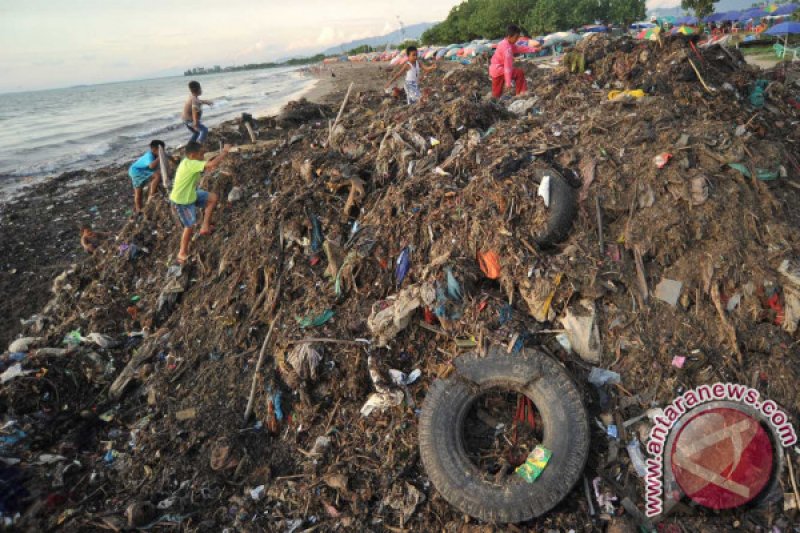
x: 56, y: 43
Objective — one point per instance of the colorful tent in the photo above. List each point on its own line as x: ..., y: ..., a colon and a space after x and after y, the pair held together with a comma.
x: 730, y: 16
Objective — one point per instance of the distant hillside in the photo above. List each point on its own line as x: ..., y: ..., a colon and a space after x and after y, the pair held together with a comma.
x: 413, y: 31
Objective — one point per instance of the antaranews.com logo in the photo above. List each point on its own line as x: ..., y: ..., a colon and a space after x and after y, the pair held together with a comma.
x: 718, y: 444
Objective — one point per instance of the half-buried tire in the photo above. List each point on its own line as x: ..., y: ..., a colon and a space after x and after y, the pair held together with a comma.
x: 563, y: 208
x: 566, y: 434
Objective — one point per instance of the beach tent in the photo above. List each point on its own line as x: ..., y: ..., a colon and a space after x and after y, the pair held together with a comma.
x: 714, y: 17
x: 398, y: 60
x: 753, y: 13
x: 730, y: 16
x: 430, y: 54
x: 452, y: 52
x: 785, y: 9
x: 440, y: 54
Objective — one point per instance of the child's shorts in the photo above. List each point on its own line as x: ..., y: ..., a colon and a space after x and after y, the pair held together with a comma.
x: 188, y: 213
x: 412, y: 92
x: 140, y: 178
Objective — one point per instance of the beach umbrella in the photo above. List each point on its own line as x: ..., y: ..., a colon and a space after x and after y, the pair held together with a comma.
x: 684, y: 30
x: 430, y: 53
x: 642, y: 25
x: 453, y: 52
x: 440, y: 54
x: 650, y: 34
x: 784, y: 29
x: 771, y: 8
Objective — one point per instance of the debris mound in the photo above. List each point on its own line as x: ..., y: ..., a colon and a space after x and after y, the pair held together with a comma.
x: 616, y: 233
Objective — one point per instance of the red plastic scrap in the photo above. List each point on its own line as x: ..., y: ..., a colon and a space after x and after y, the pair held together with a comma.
x: 429, y: 317
x: 775, y: 304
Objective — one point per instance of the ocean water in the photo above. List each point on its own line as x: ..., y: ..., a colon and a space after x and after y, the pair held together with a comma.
x: 45, y: 133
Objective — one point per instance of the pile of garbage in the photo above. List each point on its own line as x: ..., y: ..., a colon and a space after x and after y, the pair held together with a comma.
x: 632, y: 219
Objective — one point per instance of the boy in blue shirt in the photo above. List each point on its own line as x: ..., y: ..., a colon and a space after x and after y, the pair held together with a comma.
x: 143, y: 170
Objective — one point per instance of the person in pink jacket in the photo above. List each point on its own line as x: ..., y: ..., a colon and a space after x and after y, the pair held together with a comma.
x: 502, y: 69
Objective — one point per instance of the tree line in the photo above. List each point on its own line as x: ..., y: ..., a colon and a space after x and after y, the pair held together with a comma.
x: 487, y: 19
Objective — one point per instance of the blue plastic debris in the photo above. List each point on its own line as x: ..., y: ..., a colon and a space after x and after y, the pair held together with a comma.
x: 453, y: 287
x: 316, y: 233
x: 612, y: 431
x: 506, y: 313
x: 403, y: 265
x: 276, y: 402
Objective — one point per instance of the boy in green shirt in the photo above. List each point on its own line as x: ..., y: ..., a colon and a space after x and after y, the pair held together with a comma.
x: 187, y: 197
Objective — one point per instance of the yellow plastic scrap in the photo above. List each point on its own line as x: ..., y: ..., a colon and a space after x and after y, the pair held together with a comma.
x: 616, y: 95
x: 549, y: 301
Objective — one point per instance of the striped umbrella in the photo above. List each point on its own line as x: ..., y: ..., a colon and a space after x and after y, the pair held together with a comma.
x: 650, y: 34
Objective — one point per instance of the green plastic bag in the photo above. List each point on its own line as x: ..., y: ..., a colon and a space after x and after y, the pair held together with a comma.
x: 309, y: 321
x: 762, y: 174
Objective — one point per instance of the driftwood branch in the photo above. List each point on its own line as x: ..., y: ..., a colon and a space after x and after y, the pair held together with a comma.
x: 261, y: 355
x: 339, y: 116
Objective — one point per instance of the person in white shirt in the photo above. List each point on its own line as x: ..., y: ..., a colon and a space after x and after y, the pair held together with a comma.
x: 414, y: 70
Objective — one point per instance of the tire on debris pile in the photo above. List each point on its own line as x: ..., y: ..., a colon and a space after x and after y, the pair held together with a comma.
x: 566, y: 434
x: 563, y: 208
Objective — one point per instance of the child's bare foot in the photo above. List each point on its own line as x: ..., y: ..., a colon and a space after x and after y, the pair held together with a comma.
x: 206, y: 231
x: 182, y: 259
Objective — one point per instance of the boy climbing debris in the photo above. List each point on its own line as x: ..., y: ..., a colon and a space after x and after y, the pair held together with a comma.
x: 187, y: 197
x: 143, y: 170
x: 502, y: 68
x: 193, y: 111
x: 414, y: 70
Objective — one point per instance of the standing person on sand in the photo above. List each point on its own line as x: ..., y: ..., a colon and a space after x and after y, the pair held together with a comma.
x: 186, y: 197
x: 193, y: 110
x: 502, y: 68
x: 414, y: 70
x: 145, y: 169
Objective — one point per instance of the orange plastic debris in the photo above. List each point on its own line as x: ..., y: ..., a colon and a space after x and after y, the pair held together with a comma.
x: 490, y: 264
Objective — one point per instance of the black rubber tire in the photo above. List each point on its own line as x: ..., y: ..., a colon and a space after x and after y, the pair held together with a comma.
x: 566, y: 434
x: 563, y: 208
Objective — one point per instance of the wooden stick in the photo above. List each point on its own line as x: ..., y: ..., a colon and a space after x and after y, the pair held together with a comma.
x: 600, y: 225
x: 322, y: 339
x: 250, y: 132
x: 341, y: 110
x: 699, y: 77
x: 162, y: 161
x: 261, y: 355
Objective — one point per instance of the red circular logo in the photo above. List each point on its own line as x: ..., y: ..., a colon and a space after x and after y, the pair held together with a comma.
x: 722, y: 458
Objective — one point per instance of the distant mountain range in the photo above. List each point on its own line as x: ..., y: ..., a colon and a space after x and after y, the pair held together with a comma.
x: 721, y: 7
x: 413, y: 31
